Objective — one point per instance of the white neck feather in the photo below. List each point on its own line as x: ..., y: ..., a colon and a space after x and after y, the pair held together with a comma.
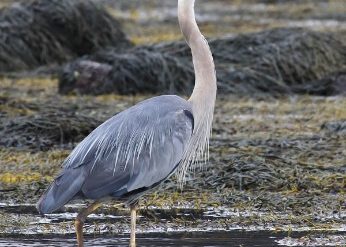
x: 205, y: 84
x: 204, y: 92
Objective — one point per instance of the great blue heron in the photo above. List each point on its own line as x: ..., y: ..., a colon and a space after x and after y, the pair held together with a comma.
x: 137, y: 149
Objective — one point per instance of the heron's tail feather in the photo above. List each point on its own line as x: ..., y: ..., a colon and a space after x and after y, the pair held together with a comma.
x: 61, y: 191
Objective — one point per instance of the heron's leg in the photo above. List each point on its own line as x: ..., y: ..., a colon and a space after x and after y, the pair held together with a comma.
x: 133, y: 208
x: 81, y: 217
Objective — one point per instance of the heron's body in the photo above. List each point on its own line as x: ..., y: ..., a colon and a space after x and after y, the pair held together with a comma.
x: 140, y: 147
x: 126, y: 155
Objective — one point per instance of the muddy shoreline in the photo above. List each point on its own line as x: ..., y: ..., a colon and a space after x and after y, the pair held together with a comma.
x: 272, y: 168
x: 277, y: 163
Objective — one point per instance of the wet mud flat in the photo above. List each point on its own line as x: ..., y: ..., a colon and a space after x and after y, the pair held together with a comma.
x: 157, y: 226
x: 215, y: 239
x: 155, y: 20
x: 277, y: 165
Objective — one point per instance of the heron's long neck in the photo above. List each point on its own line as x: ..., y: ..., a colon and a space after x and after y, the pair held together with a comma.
x: 204, y: 92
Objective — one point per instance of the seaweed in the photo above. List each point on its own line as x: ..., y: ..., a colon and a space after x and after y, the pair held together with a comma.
x: 41, y: 127
x: 278, y: 61
x: 43, y: 32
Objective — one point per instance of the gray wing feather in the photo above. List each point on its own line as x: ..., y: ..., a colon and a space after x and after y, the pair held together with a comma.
x: 135, y: 149
x: 147, y: 147
x: 67, y: 184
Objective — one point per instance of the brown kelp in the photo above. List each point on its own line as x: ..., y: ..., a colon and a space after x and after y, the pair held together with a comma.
x: 43, y: 32
x: 264, y: 153
x: 40, y: 126
x: 140, y: 70
x: 278, y: 61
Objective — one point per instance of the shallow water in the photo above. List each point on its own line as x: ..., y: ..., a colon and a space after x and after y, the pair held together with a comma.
x: 236, y: 238
x: 208, y: 239
x: 20, y: 225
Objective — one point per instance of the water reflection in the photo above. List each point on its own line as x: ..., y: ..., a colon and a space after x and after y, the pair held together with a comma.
x: 210, y: 239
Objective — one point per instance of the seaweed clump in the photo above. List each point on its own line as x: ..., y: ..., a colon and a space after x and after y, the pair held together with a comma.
x: 44, y: 32
x: 39, y: 128
x: 278, y: 61
x: 140, y: 70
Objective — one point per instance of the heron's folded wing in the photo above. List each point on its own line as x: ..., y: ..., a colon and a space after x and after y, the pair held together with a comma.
x: 135, y: 149
x: 150, y: 159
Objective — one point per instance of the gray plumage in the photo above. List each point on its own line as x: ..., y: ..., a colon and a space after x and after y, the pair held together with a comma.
x: 125, y: 156
x: 140, y: 147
